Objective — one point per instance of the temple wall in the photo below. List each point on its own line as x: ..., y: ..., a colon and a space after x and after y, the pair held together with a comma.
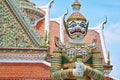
x: 54, y: 31
x: 40, y: 27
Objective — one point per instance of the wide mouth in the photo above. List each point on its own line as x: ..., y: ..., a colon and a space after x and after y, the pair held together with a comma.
x: 77, y: 31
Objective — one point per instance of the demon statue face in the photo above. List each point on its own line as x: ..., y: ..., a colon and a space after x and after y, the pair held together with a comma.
x: 76, y: 25
x: 76, y: 29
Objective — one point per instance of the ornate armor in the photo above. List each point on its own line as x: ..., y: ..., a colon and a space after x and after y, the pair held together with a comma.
x: 64, y: 58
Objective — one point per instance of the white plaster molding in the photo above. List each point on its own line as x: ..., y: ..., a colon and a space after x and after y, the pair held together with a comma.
x: 46, y: 8
x: 60, y: 21
x: 47, y: 63
x: 24, y: 61
x: 99, y: 29
x: 48, y: 5
x: 100, y: 26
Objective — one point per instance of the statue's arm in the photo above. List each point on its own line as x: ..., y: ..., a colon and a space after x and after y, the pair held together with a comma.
x: 56, y: 67
x: 94, y: 73
x: 97, y: 71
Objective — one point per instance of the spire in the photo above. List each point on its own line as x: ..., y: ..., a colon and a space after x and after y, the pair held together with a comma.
x: 76, y: 6
x: 76, y: 15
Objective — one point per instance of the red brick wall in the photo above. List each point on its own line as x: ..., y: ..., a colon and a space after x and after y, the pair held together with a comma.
x: 40, y: 27
x: 91, y: 35
x: 54, y: 31
x: 66, y: 37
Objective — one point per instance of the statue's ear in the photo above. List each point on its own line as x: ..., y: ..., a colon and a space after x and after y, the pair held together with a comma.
x: 66, y: 28
x: 87, y: 26
x: 66, y: 23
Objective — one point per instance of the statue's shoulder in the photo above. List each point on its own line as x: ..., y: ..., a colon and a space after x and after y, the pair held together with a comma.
x: 94, y: 48
x: 58, y: 45
x: 91, y: 46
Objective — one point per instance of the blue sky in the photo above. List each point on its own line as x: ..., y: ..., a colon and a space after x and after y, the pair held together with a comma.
x: 95, y: 11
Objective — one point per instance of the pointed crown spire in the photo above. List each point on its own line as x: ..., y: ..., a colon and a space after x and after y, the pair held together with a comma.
x: 76, y: 15
x: 76, y: 5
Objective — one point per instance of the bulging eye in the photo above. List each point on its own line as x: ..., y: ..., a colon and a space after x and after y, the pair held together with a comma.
x: 72, y: 24
x: 82, y: 25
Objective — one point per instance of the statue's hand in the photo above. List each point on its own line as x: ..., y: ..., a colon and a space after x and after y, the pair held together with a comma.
x: 80, y: 69
x: 80, y: 66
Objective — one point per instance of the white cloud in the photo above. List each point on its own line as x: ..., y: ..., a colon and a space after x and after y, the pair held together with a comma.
x: 112, y: 38
x: 112, y: 33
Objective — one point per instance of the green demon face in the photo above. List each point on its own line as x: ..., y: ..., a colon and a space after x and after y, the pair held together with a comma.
x: 77, y: 29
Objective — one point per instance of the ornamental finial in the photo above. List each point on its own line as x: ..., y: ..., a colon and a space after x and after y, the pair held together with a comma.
x: 50, y: 3
x: 104, y: 22
x: 76, y: 6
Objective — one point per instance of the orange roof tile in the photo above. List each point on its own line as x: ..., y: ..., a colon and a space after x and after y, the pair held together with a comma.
x: 24, y: 70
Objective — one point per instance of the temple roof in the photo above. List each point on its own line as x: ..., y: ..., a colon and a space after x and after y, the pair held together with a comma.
x: 15, y: 28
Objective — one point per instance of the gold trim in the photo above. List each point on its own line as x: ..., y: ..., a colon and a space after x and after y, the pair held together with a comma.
x: 69, y: 65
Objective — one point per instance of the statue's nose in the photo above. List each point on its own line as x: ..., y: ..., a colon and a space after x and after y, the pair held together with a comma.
x: 77, y: 27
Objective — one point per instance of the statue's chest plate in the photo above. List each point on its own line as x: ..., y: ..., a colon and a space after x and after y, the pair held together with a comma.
x: 72, y: 53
